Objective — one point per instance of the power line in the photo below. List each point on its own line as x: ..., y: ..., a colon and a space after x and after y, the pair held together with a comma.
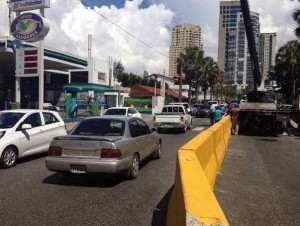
x: 127, y: 32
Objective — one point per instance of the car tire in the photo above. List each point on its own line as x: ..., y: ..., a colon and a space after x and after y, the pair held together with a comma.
x: 157, y: 153
x: 158, y: 130
x: 9, y: 157
x: 134, y: 168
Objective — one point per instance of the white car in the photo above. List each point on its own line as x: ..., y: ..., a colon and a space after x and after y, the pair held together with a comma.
x: 49, y: 106
x: 27, y: 132
x: 123, y: 111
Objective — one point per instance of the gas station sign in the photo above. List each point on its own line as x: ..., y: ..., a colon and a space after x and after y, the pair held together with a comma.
x: 27, y: 5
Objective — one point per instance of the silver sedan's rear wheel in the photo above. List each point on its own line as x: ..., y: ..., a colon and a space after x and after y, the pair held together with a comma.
x: 135, y: 166
x: 9, y: 157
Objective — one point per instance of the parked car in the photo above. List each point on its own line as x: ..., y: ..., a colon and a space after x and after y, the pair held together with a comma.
x: 50, y: 107
x: 194, y: 108
x: 104, y: 144
x: 27, y: 132
x: 123, y: 111
x: 173, y: 117
x: 203, y: 111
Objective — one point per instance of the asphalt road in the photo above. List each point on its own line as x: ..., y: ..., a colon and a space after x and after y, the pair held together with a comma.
x: 32, y: 195
x: 259, y: 181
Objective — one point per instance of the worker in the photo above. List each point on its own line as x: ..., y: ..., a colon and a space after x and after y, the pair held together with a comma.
x: 234, y: 114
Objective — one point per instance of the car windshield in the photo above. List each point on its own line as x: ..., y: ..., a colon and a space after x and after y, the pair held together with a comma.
x: 115, y: 111
x: 100, y: 127
x: 9, y: 119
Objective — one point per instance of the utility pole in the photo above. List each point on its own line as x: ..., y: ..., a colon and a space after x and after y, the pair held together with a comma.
x: 180, y: 84
x: 110, y: 71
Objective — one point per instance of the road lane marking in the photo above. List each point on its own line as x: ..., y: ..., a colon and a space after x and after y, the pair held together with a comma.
x: 198, y: 128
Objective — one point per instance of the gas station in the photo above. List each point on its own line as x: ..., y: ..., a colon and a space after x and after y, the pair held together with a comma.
x: 32, y: 74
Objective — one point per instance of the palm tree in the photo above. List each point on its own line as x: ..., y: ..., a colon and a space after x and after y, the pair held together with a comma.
x: 296, y: 17
x: 187, y: 64
x: 286, y: 68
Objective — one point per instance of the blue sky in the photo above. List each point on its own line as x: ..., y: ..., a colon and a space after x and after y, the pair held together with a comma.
x: 118, y: 3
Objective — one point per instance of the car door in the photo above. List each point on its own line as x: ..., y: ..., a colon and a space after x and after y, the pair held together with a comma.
x: 52, y: 127
x: 30, y: 140
x: 137, y: 140
x: 148, y: 139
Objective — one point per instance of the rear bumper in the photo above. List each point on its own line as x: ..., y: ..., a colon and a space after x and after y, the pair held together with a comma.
x: 63, y: 164
x: 168, y: 125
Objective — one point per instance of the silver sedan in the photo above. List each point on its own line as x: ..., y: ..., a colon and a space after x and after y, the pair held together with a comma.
x: 104, y: 144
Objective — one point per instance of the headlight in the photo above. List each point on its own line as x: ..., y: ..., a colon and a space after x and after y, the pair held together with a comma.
x: 2, y: 134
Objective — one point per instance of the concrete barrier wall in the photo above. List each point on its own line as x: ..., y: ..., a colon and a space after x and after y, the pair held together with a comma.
x: 193, y: 201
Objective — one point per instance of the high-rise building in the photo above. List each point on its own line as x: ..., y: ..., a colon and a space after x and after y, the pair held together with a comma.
x: 183, y: 35
x: 267, y: 56
x: 233, y: 53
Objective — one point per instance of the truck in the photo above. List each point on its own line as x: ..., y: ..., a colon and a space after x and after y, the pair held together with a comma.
x: 258, y: 114
x: 173, y: 117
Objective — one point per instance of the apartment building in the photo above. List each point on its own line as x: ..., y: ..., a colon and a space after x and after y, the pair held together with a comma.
x: 267, y: 56
x: 233, y: 53
x: 183, y: 35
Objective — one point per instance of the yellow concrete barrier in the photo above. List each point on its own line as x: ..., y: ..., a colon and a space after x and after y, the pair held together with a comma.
x: 192, y: 201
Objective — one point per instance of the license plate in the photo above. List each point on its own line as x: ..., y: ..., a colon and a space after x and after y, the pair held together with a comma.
x: 166, y: 126
x: 77, y: 168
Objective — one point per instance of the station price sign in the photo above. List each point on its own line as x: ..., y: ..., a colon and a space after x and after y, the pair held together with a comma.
x: 27, y: 62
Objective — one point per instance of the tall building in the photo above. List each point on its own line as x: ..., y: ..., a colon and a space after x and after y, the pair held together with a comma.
x: 183, y: 35
x: 233, y: 53
x: 267, y: 55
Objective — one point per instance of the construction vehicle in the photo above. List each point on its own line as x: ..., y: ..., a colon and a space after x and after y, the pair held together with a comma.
x: 258, y: 114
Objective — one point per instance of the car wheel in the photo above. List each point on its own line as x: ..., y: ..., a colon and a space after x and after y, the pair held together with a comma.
x: 158, y: 130
x: 134, y: 168
x: 157, y: 153
x: 9, y: 157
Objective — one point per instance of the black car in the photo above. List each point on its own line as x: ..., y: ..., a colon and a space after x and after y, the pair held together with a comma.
x: 203, y: 111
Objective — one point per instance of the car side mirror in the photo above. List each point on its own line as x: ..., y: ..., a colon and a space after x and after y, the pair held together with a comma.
x: 129, y: 114
x: 153, y: 129
x: 26, y: 126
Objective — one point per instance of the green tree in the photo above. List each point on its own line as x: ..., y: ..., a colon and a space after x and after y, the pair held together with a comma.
x: 188, y: 63
x: 118, y: 69
x: 296, y: 17
x: 286, y: 70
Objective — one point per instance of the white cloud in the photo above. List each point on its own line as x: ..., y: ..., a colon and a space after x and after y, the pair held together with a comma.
x: 275, y: 16
x: 71, y: 22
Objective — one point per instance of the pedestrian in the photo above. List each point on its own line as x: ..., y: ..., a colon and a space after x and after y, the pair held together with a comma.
x: 218, y: 114
x: 234, y: 114
x: 212, y: 114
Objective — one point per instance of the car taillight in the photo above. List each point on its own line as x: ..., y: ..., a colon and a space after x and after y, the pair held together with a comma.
x: 154, y: 118
x: 111, y: 153
x: 54, y: 151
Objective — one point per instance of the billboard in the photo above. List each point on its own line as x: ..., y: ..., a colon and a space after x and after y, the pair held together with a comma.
x: 27, y: 5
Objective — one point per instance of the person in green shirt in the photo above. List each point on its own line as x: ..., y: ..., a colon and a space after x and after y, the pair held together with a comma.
x: 218, y: 114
